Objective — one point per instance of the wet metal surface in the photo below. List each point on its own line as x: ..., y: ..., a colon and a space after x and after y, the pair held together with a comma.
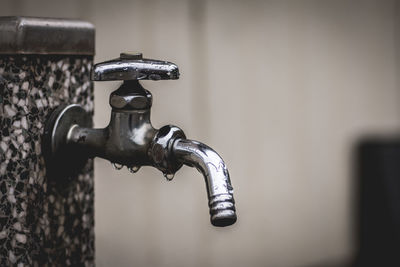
x: 134, y: 67
x: 216, y: 175
x: 130, y: 139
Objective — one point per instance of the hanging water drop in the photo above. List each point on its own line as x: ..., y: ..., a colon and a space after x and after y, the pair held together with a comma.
x: 134, y: 169
x: 169, y: 176
x: 117, y: 166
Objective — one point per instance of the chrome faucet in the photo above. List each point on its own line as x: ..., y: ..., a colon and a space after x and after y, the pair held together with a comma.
x: 130, y: 139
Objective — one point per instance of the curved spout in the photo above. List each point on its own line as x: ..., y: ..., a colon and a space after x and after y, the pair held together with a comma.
x: 216, y: 175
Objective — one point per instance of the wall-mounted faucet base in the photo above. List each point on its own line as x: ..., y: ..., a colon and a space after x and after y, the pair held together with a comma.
x: 63, y: 160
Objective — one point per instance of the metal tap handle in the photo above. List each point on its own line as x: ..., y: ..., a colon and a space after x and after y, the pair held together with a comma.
x: 134, y: 67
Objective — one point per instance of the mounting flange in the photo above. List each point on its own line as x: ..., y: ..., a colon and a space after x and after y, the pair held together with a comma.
x: 62, y: 160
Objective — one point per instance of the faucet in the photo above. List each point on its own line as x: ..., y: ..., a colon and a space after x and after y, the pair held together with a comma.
x: 130, y: 139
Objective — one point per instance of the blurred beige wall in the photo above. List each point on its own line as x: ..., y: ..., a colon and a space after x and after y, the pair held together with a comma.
x: 281, y: 89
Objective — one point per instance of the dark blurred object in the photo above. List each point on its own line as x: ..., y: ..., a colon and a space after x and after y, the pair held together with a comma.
x: 379, y: 203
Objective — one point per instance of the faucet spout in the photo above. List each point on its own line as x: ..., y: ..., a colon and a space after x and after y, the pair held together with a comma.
x: 216, y: 175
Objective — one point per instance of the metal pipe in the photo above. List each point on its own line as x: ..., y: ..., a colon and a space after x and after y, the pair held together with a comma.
x: 216, y: 175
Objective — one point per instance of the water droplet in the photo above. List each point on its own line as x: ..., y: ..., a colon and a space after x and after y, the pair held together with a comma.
x: 134, y: 169
x: 117, y: 166
x: 169, y: 176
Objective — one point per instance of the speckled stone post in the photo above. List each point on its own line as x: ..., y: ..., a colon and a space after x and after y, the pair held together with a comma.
x: 41, y: 223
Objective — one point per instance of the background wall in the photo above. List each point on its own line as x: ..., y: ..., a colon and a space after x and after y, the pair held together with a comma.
x: 281, y: 89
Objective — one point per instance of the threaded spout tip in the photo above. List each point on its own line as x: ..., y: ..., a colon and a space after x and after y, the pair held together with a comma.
x: 222, y: 210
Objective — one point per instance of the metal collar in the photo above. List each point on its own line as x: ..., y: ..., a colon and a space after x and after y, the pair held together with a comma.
x: 31, y: 35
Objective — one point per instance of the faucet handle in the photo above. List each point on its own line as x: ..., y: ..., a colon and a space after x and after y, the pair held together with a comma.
x: 132, y: 66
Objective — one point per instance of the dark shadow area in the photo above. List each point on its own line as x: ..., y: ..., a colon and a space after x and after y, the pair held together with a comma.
x: 376, y: 172
x: 329, y: 264
x: 377, y: 165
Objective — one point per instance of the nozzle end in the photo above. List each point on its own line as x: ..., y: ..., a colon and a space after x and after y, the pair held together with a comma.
x: 222, y: 210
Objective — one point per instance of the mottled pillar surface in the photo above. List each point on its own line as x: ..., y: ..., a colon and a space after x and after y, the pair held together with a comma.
x: 42, y: 224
